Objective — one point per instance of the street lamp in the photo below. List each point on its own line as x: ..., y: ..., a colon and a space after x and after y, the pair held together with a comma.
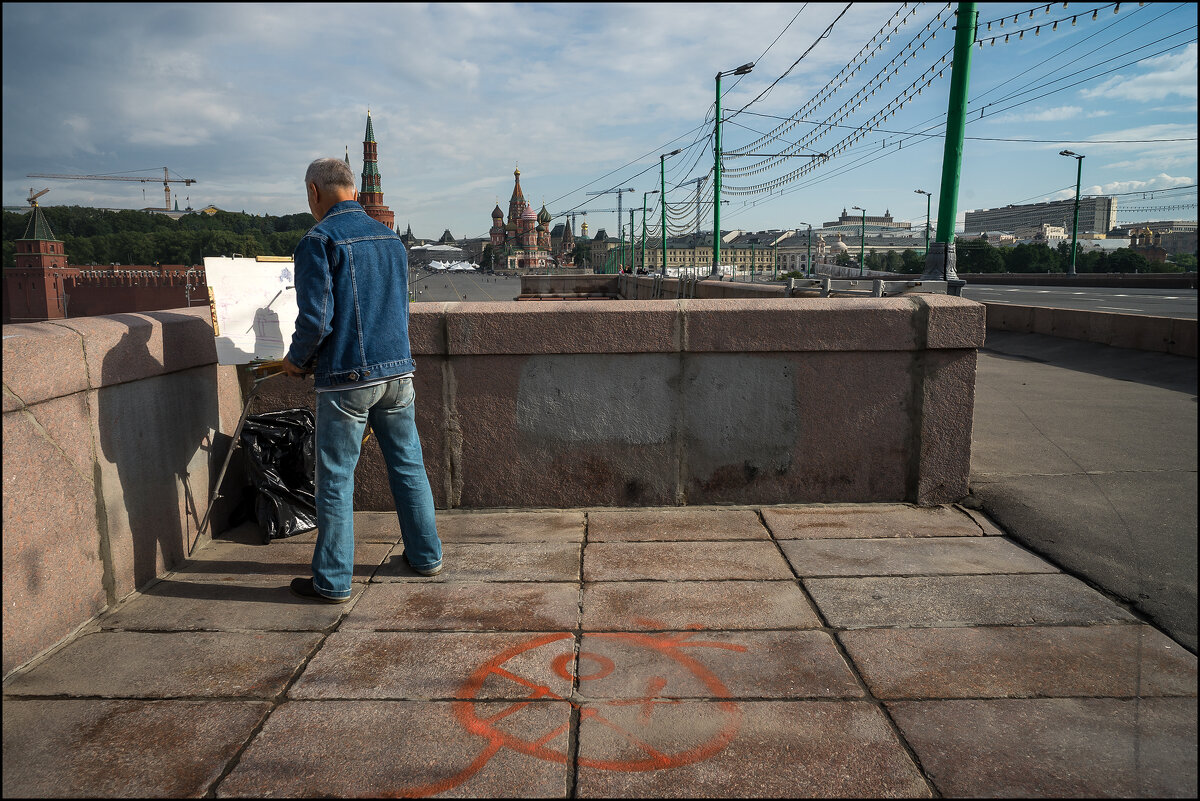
x: 1075, y: 225
x: 742, y: 70
x: 644, y: 194
x: 808, y: 259
x: 862, y: 242
x: 662, y: 177
x: 928, y: 198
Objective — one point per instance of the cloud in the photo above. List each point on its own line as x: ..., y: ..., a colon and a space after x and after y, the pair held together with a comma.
x: 1056, y: 114
x: 1166, y: 75
x: 1158, y: 182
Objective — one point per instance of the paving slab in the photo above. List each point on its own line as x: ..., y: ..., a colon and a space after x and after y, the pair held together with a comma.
x: 492, y: 561
x: 985, y: 523
x: 406, y: 748
x: 961, y: 601
x: 409, y: 606
x: 645, y: 525
x: 684, y: 561
x: 250, y: 604
x: 713, y: 664
x: 841, y: 521
x: 1025, y: 661
x: 719, y: 605
x: 780, y: 749
x: 549, y: 526
x: 424, y: 666
x: 169, y: 665
x: 121, y: 749
x: 280, y: 558
x: 1055, y: 747
x: 912, y: 556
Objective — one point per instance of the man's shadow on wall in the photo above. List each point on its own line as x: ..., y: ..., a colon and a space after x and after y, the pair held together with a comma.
x: 156, y: 435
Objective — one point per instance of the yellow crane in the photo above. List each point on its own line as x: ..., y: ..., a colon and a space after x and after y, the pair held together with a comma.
x: 167, y: 180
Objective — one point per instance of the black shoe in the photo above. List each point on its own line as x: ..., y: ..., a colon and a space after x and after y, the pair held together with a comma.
x: 433, y: 571
x: 303, y: 588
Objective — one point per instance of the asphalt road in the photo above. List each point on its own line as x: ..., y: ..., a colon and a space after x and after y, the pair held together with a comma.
x: 462, y: 287
x: 1155, y: 302
x: 1179, y: 303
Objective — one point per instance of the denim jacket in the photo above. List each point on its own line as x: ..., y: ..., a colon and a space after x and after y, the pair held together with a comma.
x: 352, y: 294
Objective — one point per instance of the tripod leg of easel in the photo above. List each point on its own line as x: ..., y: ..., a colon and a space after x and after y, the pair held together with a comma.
x: 216, y: 493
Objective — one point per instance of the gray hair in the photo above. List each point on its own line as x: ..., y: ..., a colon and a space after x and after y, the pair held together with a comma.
x: 329, y: 174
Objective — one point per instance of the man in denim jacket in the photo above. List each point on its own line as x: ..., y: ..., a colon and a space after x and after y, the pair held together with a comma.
x: 352, y: 335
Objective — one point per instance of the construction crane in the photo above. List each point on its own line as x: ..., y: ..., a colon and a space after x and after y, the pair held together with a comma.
x: 167, y: 180
x: 620, y: 193
x: 33, y: 198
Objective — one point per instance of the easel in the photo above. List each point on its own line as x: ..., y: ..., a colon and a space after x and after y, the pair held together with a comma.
x: 262, y: 370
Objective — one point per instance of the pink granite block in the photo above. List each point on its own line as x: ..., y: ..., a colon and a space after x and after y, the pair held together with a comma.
x: 1055, y: 747
x: 397, y: 749
x: 538, y: 431
x: 723, y: 749
x: 122, y: 749
x: 804, y: 324
x: 584, y: 326
x: 41, y: 361
x: 1183, y: 338
x: 862, y: 457
x: 427, y: 329
x: 953, y: 322
x: 947, y: 407
x: 53, y: 575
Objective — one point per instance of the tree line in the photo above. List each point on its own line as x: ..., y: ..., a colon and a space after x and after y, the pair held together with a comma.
x: 978, y: 256
x: 103, y: 237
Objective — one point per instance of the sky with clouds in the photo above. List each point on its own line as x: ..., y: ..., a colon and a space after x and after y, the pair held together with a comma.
x: 585, y: 97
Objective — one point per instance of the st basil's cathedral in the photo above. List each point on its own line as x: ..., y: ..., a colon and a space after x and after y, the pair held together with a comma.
x: 523, y: 243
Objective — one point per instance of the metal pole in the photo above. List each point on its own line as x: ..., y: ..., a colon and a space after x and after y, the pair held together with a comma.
x: 662, y: 177
x: 644, y: 228
x: 928, y: 201
x: 717, y: 186
x: 631, y: 213
x: 1075, y: 224
x: 862, y: 243
x: 808, y: 265
x: 939, y: 262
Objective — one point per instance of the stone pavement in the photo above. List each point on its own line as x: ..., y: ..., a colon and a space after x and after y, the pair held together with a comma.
x: 820, y: 650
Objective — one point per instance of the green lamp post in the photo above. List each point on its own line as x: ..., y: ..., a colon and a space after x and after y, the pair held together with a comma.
x: 862, y: 242
x: 1075, y: 225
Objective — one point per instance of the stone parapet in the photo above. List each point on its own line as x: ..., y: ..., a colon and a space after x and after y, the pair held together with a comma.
x: 569, y: 404
x: 113, y: 429
x: 1139, y: 332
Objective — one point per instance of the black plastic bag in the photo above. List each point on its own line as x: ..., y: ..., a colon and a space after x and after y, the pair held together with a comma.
x: 281, y: 462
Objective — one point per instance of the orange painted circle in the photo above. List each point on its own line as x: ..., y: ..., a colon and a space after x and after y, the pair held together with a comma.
x: 559, y: 666
x: 655, y: 760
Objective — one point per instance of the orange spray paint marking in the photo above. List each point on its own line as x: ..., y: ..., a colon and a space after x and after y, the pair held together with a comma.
x: 591, y: 667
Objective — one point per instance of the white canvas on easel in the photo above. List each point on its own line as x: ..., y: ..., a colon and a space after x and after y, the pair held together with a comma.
x: 254, y: 307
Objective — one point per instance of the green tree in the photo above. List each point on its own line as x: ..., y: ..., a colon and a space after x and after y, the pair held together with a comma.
x: 1183, y: 262
x: 843, y: 259
x: 912, y: 262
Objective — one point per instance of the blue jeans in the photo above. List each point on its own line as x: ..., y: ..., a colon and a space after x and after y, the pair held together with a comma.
x: 341, y: 419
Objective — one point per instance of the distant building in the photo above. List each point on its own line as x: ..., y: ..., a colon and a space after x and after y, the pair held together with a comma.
x: 370, y: 196
x: 853, y: 223
x: 1096, y: 214
x: 522, y: 244
x: 43, y: 286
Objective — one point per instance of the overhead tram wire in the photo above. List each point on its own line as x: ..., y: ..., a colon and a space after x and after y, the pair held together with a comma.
x: 826, y: 92
x: 853, y: 165
x: 778, y: 184
x: 824, y: 35
x: 860, y: 97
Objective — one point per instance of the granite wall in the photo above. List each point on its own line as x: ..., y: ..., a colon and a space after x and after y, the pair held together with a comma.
x: 112, y: 428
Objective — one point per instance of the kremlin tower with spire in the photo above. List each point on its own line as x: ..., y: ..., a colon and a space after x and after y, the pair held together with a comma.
x: 370, y: 196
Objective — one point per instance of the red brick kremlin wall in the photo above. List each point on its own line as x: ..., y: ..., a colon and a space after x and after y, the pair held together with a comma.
x: 91, y: 290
